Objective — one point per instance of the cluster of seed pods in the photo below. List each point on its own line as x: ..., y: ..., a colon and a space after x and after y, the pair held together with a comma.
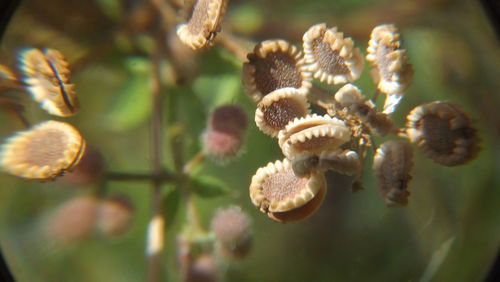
x: 278, y: 77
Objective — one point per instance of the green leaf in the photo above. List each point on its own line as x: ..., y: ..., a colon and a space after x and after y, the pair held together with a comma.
x: 215, y: 90
x: 208, y: 186
x: 132, y: 103
x: 171, y: 203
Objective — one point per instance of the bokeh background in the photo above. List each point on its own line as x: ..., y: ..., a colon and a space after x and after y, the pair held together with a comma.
x: 450, y: 231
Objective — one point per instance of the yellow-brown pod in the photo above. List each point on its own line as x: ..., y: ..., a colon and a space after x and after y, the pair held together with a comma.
x: 313, y: 134
x: 330, y: 56
x: 42, y: 152
x: 443, y: 132
x: 392, y: 164
x: 46, y: 75
x: 283, y: 196
x: 391, y: 70
x: 274, y: 64
x: 203, y: 23
x: 278, y: 108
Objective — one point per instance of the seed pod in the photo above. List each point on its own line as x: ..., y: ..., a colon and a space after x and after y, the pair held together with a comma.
x: 283, y: 196
x: 203, y: 24
x: 47, y: 79
x: 72, y: 221
x: 274, y: 64
x: 379, y: 123
x: 231, y: 227
x: 443, y: 132
x: 114, y: 216
x: 278, y: 108
x: 344, y: 162
x: 330, y: 56
x: 313, y: 134
x: 43, y: 152
x: 391, y: 70
x: 392, y: 164
x: 349, y: 95
x: 225, y: 133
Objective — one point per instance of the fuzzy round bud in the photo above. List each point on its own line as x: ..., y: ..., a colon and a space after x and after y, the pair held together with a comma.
x: 202, y: 269
x: 231, y: 119
x: 114, y: 216
x: 232, y: 230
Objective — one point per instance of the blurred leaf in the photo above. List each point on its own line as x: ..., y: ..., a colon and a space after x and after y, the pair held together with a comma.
x: 112, y: 8
x: 208, y: 186
x: 437, y: 260
x: 171, y: 203
x: 216, y: 90
x: 132, y: 103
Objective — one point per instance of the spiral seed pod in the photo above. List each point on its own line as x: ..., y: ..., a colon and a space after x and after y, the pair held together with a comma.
x: 278, y: 108
x: 43, y: 152
x: 391, y: 70
x: 231, y: 227
x: 46, y: 76
x: 313, y: 134
x: 392, y: 164
x: 283, y: 196
x: 274, y: 64
x: 443, y: 132
x: 114, y: 216
x: 72, y: 221
x: 330, y: 56
x: 203, y: 24
x: 344, y: 162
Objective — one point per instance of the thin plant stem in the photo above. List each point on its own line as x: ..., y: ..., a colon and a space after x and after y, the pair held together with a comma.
x: 163, y: 177
x: 194, y: 162
x: 231, y: 44
x: 156, y: 230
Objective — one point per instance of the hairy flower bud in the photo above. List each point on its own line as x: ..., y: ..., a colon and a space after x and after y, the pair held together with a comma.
x: 231, y: 227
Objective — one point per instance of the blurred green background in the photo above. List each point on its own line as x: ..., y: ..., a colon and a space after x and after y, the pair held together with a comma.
x: 450, y: 231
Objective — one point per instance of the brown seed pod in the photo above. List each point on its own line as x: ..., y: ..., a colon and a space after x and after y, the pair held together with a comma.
x: 278, y: 108
x: 114, y: 216
x: 344, y: 162
x: 203, y: 23
x: 72, y: 221
x: 47, y: 79
x: 283, y: 196
x: 443, y: 132
x: 43, y: 152
x: 231, y: 227
x: 305, y: 164
x: 391, y: 70
x: 349, y: 95
x: 392, y: 164
x: 274, y: 64
x: 313, y: 134
x: 330, y: 56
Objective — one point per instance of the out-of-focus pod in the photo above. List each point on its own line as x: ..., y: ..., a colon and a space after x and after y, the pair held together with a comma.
x: 231, y: 227
x: 42, y: 152
x: 391, y: 165
x: 114, y: 216
x: 443, y: 132
x: 282, y: 195
x: 46, y: 75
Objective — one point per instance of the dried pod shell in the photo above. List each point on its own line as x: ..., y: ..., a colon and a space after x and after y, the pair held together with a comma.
x: 443, y: 132
x: 203, y: 23
x: 46, y: 76
x: 349, y: 95
x: 379, y: 123
x: 276, y: 190
x: 43, y: 152
x: 344, y: 162
x: 274, y: 64
x: 391, y: 70
x: 278, y: 108
x: 392, y: 164
x: 330, y: 56
x: 313, y: 134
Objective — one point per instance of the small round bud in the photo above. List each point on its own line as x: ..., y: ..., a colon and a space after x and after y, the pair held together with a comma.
x: 203, y: 268
x: 114, y: 216
x: 230, y: 119
x: 232, y: 230
x: 72, y: 221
